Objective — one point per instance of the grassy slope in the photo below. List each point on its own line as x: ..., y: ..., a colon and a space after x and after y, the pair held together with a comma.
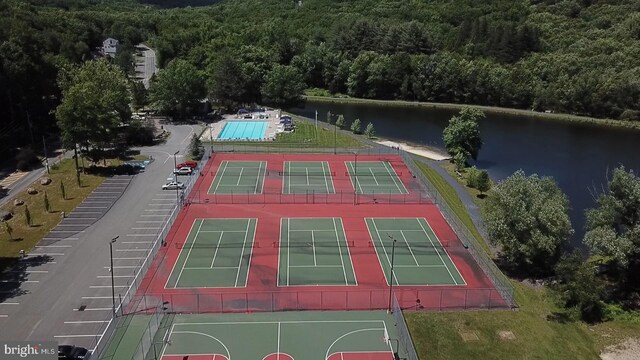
x: 437, y: 335
x: 25, y: 237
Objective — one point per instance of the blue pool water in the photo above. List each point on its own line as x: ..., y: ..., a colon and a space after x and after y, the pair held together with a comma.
x: 252, y: 130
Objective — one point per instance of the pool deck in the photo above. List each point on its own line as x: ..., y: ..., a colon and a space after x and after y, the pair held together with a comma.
x: 271, y: 116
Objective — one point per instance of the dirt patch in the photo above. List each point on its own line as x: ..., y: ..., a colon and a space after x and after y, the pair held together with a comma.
x: 506, y: 335
x: 626, y: 350
x: 469, y: 336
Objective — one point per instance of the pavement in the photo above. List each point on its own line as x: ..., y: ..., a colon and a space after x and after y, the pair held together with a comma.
x: 146, y: 65
x: 62, y: 289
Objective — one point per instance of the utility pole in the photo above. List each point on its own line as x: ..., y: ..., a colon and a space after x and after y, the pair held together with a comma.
x: 113, y: 290
x: 175, y: 176
x: 393, y: 254
x: 46, y: 158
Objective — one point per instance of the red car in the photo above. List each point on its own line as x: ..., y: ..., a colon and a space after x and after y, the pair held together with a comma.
x: 188, y: 163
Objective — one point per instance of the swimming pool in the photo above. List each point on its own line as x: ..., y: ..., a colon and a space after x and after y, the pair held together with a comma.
x: 252, y: 130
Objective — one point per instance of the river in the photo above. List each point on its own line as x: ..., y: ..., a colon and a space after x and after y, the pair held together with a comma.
x: 576, y: 155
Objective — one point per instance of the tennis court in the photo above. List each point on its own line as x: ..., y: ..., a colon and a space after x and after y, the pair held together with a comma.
x: 375, y: 177
x: 280, y: 336
x: 314, y: 251
x: 419, y: 257
x: 239, y: 177
x: 307, y: 177
x: 243, y: 130
x: 216, y: 253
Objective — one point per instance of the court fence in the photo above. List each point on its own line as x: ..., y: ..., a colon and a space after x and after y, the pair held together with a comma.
x: 481, y: 257
x: 432, y: 299
x: 308, y: 197
x: 113, y: 321
x: 404, y: 336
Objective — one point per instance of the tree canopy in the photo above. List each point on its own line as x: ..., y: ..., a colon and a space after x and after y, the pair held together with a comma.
x: 527, y: 216
x: 96, y: 98
x: 283, y: 86
x: 177, y: 89
x: 462, y: 135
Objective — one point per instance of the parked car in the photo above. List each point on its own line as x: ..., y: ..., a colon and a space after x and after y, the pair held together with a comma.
x: 70, y: 352
x: 185, y: 170
x: 188, y: 163
x: 173, y: 185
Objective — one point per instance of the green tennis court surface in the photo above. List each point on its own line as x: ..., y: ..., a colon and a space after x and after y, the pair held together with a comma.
x: 239, y: 177
x: 375, y: 177
x: 217, y: 253
x: 307, y: 176
x: 420, y: 258
x: 280, y: 336
x: 314, y: 252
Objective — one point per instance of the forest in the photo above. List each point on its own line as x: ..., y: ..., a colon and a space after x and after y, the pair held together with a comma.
x: 567, y: 56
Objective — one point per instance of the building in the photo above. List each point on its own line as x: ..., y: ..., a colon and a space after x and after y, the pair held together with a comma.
x: 109, y: 47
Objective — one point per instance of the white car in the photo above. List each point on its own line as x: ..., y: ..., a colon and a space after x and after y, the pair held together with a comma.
x: 185, y: 170
x: 173, y: 186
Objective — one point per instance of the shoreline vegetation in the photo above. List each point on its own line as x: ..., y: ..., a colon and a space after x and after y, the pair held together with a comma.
x: 635, y: 125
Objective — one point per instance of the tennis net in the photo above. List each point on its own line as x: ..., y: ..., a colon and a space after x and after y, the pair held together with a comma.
x: 412, y: 245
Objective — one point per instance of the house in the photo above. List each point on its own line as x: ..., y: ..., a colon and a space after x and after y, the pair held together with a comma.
x: 109, y: 47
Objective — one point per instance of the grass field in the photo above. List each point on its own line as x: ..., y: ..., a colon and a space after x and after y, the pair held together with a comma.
x: 536, y: 335
x: 305, y: 135
x: 26, y: 237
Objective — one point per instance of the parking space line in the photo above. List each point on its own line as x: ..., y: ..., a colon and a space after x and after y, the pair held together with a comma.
x: 106, y: 286
x: 137, y: 242
x: 145, y: 228
x: 18, y: 281
x: 97, y: 297
x: 122, y: 267
x: 53, y: 246
x: 90, y: 207
x: 77, y: 336
x: 48, y: 254
x: 124, y: 250
x: 115, y: 276
x: 4, y: 316
x: 9, y: 303
x: 156, y: 210
x: 141, y: 234
x: 152, y: 215
x: 161, y: 205
x: 106, y: 192
x: 129, y: 258
x: 149, y: 221
x: 86, y: 322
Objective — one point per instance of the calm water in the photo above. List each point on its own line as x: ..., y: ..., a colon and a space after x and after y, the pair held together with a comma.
x: 577, y: 156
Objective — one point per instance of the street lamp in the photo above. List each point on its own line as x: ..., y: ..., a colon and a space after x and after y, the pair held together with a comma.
x: 175, y: 176
x: 393, y: 254
x: 113, y: 290
x: 355, y: 175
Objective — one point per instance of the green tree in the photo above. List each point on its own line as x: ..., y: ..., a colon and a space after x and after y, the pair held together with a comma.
x: 483, y: 182
x: 27, y: 215
x: 579, y: 287
x: 330, y: 118
x: 95, y: 101
x: 340, y: 121
x: 356, y: 126
x: 140, y: 95
x: 195, y: 147
x: 62, y: 191
x: 472, y: 177
x: 47, y: 205
x: 227, y: 82
x: 283, y: 86
x: 613, y: 228
x: 528, y: 217
x: 462, y: 135
x: 369, y: 131
x: 178, y: 89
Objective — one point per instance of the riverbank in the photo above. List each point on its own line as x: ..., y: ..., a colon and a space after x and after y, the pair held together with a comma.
x: 489, y: 109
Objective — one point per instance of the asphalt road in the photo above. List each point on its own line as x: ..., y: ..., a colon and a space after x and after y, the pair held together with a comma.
x: 146, y: 65
x: 67, y: 297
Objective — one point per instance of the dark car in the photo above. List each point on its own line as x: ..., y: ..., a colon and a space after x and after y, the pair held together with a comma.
x: 64, y: 351
x: 79, y: 353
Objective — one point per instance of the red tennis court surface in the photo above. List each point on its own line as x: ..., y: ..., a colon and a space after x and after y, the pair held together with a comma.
x: 262, y: 292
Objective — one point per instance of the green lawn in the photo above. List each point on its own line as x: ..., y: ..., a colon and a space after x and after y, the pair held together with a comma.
x: 535, y: 334
x: 25, y: 237
x: 307, y: 135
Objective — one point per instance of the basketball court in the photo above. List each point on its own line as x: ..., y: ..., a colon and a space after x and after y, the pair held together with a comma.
x: 281, y: 336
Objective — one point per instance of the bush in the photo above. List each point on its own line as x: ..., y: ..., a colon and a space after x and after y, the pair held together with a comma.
x: 472, y: 177
x: 356, y: 126
x: 26, y: 158
x: 630, y: 115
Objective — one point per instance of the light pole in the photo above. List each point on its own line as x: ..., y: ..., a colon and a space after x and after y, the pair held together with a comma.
x: 355, y: 175
x: 393, y: 254
x: 113, y: 290
x: 175, y: 176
